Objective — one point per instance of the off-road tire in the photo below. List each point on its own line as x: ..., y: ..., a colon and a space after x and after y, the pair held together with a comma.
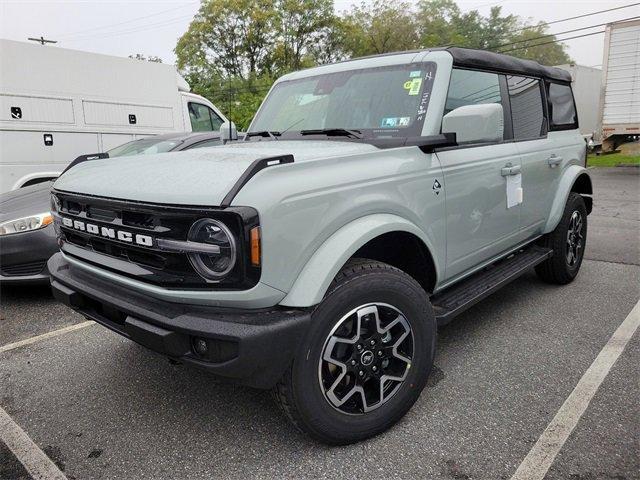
x: 299, y: 393
x: 557, y: 269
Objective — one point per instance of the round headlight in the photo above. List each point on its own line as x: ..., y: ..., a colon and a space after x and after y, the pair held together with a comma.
x: 213, y: 266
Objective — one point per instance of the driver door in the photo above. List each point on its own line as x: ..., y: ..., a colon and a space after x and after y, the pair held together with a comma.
x: 479, y: 224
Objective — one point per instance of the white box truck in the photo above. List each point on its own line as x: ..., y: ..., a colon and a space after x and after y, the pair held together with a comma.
x: 57, y: 104
x: 620, y: 93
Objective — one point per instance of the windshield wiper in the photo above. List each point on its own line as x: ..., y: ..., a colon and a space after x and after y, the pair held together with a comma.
x: 333, y: 132
x: 263, y: 133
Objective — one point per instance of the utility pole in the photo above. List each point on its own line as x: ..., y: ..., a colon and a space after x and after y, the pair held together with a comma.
x: 42, y: 40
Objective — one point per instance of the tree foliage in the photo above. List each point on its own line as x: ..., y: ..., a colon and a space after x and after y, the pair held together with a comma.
x: 233, y: 50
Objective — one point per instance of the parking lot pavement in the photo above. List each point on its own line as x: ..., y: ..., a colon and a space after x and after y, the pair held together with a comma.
x: 613, y: 225
x: 29, y: 310
x: 102, y: 407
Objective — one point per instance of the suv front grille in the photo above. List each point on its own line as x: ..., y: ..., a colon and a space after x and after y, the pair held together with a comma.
x: 149, y: 263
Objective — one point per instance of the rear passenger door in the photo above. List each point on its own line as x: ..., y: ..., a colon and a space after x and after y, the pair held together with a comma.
x: 537, y: 151
x: 479, y: 224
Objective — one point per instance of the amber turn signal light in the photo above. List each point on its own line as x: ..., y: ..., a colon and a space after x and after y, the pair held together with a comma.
x: 255, y: 246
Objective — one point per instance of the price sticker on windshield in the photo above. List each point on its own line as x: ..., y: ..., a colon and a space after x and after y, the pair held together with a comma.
x: 413, y: 86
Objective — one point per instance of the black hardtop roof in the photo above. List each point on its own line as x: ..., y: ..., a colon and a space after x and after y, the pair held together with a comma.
x: 486, y: 60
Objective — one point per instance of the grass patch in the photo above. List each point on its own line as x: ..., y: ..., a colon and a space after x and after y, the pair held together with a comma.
x: 612, y: 159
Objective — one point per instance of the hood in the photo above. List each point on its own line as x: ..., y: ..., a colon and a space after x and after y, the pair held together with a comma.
x: 25, y: 201
x: 194, y: 177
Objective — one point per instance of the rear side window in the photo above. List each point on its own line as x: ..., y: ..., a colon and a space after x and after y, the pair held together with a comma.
x: 562, y: 108
x: 527, y: 112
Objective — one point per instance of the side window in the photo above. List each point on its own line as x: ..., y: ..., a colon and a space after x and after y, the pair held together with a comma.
x: 203, y: 119
x: 562, y: 108
x: 468, y: 87
x: 527, y: 112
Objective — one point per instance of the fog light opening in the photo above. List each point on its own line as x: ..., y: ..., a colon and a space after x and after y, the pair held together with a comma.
x: 200, y: 346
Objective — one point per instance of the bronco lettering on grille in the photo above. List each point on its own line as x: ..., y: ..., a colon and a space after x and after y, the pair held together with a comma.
x: 107, y: 232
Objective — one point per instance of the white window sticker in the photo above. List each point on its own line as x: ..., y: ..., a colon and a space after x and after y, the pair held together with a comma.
x: 514, y: 190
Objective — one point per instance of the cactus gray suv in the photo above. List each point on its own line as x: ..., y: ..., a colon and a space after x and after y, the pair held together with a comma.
x: 370, y: 201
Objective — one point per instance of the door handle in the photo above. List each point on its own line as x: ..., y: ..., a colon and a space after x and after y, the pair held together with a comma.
x: 509, y: 170
x: 554, y: 160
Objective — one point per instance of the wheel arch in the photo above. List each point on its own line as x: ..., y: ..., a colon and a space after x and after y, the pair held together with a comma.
x: 574, y: 179
x: 584, y: 187
x: 378, y: 237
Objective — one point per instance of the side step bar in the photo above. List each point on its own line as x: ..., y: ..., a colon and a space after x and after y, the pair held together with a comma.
x: 456, y: 299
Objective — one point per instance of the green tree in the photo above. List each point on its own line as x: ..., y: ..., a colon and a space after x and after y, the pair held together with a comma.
x: 229, y: 37
x: 526, y: 43
x: 304, y: 28
x: 378, y: 27
x: 234, y: 49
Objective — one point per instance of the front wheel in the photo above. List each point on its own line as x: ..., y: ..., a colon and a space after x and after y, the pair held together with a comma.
x: 568, y: 242
x: 366, y: 357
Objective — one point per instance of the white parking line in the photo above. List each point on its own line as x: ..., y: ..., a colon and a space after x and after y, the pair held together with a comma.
x: 28, y: 453
x: 44, y: 336
x: 541, y: 456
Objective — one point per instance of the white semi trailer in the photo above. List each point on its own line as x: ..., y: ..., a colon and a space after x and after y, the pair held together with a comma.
x: 620, y: 93
x: 57, y: 104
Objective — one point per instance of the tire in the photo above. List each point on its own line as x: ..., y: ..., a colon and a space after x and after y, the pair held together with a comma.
x: 568, y: 242
x: 400, y: 358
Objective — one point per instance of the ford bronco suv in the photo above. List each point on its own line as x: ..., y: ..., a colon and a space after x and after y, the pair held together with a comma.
x: 370, y: 201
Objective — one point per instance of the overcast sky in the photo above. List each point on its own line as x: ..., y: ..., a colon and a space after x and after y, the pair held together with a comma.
x: 152, y: 27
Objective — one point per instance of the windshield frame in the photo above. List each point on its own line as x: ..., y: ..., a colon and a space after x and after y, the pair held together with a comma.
x: 368, y: 135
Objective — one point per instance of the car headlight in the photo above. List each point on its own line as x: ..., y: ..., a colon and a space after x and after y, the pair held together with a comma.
x: 25, y: 224
x: 213, y: 266
x: 55, y: 203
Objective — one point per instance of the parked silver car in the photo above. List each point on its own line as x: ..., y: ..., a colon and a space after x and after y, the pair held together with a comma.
x: 370, y: 201
x: 27, y: 239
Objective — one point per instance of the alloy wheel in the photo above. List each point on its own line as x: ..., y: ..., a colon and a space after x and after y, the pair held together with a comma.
x: 575, y: 238
x: 366, y: 358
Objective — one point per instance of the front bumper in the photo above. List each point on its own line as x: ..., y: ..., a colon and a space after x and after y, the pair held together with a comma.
x: 23, y: 256
x: 250, y: 347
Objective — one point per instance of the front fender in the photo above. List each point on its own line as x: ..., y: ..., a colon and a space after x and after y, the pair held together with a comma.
x: 316, y: 276
x: 565, y: 186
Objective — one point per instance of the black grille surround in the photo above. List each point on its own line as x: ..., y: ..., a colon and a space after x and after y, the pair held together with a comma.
x: 150, y: 264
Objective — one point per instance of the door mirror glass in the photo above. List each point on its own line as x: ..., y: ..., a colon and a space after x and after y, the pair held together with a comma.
x: 482, y: 123
x: 228, y: 132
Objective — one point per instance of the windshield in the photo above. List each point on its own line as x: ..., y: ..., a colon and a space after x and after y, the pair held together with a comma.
x: 375, y: 102
x: 144, y: 146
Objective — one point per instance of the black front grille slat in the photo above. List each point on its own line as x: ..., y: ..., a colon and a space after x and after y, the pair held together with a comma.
x: 101, y: 213
x: 140, y: 220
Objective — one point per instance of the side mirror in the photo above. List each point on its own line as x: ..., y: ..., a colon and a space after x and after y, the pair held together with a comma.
x: 475, y: 123
x: 228, y: 131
